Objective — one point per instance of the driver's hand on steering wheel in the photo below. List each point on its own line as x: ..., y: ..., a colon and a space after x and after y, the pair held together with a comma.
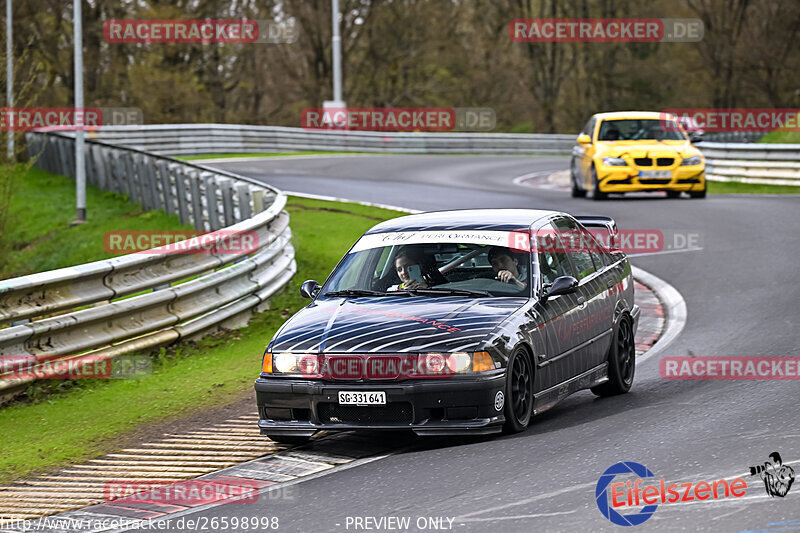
x: 507, y: 277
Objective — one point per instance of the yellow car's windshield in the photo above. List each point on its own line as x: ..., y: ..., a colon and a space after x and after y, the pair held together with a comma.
x: 639, y: 129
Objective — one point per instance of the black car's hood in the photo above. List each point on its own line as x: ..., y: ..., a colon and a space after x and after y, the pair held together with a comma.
x: 393, y: 324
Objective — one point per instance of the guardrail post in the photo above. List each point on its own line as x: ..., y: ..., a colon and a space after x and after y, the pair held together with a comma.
x: 212, y: 204
x: 121, y: 183
x: 258, y: 201
x: 166, y: 187
x: 150, y: 182
x: 197, y: 201
x: 134, y: 194
x: 181, y: 195
x: 245, y: 211
x: 99, y: 169
x: 227, y: 202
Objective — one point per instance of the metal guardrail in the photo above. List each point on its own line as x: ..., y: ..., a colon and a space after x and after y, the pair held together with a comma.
x: 740, y: 161
x: 769, y: 164
x: 189, y: 139
x: 94, y: 312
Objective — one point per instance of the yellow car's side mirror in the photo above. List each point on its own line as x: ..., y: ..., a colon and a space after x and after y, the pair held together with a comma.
x: 584, y: 139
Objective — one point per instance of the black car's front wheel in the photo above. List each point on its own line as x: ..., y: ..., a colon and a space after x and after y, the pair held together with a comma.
x: 519, y: 392
x: 621, y: 361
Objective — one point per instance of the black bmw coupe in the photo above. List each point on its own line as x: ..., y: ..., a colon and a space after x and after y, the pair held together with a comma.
x: 454, y: 322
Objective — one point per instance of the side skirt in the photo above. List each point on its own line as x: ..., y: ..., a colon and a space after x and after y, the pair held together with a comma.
x: 544, y: 400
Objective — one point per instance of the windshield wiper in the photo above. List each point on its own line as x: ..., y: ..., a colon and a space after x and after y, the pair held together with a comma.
x: 436, y: 291
x: 357, y: 292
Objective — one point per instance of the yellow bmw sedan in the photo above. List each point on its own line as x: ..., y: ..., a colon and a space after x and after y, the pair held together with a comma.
x: 636, y: 151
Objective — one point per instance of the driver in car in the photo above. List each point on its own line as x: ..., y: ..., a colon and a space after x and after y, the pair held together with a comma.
x: 507, y: 267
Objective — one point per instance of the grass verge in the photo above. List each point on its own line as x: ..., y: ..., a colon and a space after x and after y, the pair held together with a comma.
x: 735, y: 187
x: 790, y: 137
x: 42, y: 206
x: 87, y: 421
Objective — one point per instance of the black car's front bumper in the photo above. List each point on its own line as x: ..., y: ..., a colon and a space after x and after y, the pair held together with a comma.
x: 454, y: 406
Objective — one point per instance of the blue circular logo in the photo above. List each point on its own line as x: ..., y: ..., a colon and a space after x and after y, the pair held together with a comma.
x: 603, y: 499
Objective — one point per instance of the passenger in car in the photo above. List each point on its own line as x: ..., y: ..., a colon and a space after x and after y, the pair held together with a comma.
x: 411, y: 263
x: 507, y: 267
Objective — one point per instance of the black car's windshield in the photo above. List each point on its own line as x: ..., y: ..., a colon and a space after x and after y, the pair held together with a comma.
x: 432, y: 263
x: 639, y: 129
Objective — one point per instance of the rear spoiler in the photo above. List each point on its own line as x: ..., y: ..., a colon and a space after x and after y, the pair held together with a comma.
x: 603, y: 228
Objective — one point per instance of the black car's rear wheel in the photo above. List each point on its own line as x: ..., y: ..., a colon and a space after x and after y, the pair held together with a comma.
x: 621, y: 361
x: 519, y: 392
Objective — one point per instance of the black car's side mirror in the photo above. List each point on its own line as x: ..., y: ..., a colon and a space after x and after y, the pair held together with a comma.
x: 695, y: 137
x: 309, y: 289
x: 562, y: 285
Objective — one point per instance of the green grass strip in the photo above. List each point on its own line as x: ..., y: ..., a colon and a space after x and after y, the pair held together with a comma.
x: 39, y: 237
x: 735, y: 187
x: 73, y: 425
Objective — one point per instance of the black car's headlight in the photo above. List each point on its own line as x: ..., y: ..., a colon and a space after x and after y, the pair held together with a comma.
x: 319, y: 366
x: 614, y: 162
x: 691, y: 161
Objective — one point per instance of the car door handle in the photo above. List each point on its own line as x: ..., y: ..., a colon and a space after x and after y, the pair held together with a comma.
x: 581, y: 302
x: 611, y: 284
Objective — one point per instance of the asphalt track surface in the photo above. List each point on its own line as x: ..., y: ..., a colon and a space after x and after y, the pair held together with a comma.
x: 742, y: 296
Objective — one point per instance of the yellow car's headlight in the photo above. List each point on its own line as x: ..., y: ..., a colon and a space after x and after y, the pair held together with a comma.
x: 691, y: 161
x: 614, y: 162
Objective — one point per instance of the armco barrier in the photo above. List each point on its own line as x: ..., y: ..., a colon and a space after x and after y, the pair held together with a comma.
x: 87, y: 312
x: 756, y: 163
x: 187, y: 139
x: 769, y: 164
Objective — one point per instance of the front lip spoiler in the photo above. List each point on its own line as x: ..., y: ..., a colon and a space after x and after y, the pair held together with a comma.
x: 481, y: 426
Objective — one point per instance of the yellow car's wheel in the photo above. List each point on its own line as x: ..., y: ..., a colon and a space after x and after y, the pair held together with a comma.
x: 577, y: 192
x: 597, y: 194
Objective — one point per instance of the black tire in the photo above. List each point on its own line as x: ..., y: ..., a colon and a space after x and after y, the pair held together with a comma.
x: 597, y: 194
x: 288, y: 439
x: 577, y: 192
x: 621, y: 361
x: 518, y: 406
x: 697, y: 194
x: 673, y: 194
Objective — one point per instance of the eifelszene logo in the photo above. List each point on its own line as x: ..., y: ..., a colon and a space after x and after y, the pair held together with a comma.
x: 614, y: 497
x: 777, y: 477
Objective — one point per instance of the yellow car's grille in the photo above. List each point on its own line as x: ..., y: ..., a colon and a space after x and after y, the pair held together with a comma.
x: 648, y: 161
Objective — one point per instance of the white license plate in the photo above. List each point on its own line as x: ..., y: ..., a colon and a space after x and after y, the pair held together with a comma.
x: 362, y: 398
x: 655, y: 173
